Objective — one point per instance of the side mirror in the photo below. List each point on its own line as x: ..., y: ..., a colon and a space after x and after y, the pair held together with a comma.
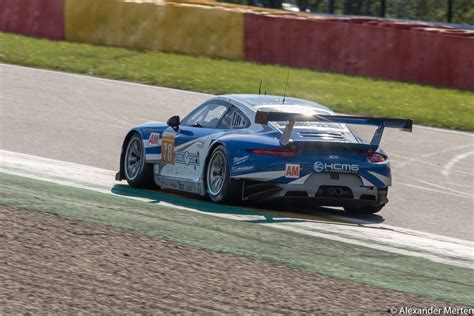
x: 173, y: 122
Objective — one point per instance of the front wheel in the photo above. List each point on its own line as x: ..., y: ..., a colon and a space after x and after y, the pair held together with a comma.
x: 220, y: 187
x: 137, y: 172
x: 363, y: 210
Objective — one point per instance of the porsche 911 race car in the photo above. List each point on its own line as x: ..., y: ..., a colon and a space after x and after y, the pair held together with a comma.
x: 255, y: 147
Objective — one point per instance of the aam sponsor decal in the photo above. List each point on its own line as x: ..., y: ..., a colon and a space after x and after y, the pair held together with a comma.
x: 154, y: 140
x: 292, y: 170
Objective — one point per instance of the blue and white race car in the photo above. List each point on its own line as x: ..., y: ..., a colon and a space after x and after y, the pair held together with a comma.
x: 255, y: 147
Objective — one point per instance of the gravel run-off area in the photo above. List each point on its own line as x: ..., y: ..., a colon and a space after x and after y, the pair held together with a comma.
x: 49, y: 264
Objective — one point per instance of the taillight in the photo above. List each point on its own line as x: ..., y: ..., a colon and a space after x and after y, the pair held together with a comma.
x: 376, y: 157
x: 276, y: 152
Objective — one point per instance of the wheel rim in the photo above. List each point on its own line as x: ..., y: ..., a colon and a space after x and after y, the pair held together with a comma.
x: 216, y: 173
x: 133, y: 158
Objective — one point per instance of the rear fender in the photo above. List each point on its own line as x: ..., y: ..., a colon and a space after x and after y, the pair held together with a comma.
x: 240, y: 158
x: 339, y: 158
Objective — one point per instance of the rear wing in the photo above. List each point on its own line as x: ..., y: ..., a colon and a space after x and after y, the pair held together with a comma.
x: 263, y: 117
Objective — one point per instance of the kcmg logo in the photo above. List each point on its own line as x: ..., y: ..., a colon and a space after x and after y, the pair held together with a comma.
x: 319, y: 166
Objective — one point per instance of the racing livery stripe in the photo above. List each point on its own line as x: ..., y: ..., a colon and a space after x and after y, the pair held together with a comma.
x: 153, y: 157
x: 301, y: 180
x: 262, y: 176
x: 385, y: 180
x: 366, y: 182
x: 372, y: 179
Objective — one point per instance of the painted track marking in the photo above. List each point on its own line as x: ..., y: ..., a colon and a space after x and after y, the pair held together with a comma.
x: 427, y: 164
x: 434, y: 190
x: 382, y: 237
x: 414, y: 159
x: 447, y: 168
x: 446, y: 189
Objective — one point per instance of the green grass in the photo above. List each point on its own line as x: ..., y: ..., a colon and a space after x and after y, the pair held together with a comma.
x: 426, y: 105
x: 308, y: 253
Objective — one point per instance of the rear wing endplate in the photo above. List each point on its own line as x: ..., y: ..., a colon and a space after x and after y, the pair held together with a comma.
x: 263, y: 117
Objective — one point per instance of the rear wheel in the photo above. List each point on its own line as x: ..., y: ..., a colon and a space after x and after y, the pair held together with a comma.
x: 220, y: 187
x: 363, y: 210
x: 137, y: 172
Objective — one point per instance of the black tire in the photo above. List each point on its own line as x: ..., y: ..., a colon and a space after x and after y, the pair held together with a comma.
x: 365, y: 210
x: 231, y: 190
x: 142, y: 176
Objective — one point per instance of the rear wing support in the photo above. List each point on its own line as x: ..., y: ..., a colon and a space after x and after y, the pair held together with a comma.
x: 285, y: 138
x: 377, y: 138
x: 263, y: 117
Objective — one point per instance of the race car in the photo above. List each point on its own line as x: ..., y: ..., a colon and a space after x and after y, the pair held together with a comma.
x: 260, y: 147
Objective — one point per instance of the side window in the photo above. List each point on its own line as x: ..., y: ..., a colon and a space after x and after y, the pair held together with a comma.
x: 234, y: 119
x: 207, y: 116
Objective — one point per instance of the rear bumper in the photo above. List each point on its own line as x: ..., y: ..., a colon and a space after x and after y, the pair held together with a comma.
x: 380, y: 199
x: 347, y: 191
x: 377, y: 199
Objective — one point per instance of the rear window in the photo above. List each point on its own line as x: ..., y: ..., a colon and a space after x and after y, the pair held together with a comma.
x: 234, y: 119
x: 302, y: 109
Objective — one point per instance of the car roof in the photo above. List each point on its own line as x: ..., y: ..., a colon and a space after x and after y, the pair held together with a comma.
x: 253, y: 100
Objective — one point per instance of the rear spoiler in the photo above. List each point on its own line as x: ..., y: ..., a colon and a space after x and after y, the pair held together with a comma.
x: 263, y: 117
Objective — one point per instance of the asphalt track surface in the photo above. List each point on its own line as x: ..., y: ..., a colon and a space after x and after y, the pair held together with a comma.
x: 83, y: 119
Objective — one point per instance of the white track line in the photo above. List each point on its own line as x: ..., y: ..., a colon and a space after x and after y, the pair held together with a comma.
x: 434, y: 153
x: 382, y: 237
x: 447, y: 189
x: 434, y: 190
x: 426, y: 164
x: 456, y: 159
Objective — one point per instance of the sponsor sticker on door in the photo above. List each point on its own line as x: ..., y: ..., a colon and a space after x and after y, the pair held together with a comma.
x: 187, y: 158
x: 292, y: 170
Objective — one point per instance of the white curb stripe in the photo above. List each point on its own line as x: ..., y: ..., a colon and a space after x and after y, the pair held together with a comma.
x: 382, y: 237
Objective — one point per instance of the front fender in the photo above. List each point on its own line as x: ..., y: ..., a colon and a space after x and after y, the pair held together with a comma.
x: 144, y: 130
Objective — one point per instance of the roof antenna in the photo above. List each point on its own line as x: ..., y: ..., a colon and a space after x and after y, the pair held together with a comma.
x: 260, y: 87
x: 286, y: 85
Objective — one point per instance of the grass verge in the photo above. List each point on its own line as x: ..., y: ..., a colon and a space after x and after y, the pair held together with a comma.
x: 426, y: 105
x: 316, y: 255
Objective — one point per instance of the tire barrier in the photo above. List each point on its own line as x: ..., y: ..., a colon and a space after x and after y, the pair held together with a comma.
x: 171, y: 27
x: 42, y: 18
x: 366, y: 47
x: 387, y: 49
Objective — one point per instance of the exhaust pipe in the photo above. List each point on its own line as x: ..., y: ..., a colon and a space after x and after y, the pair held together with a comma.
x: 339, y: 191
x: 331, y: 190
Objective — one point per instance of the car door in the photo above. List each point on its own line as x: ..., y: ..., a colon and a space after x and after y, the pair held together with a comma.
x: 192, y: 140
